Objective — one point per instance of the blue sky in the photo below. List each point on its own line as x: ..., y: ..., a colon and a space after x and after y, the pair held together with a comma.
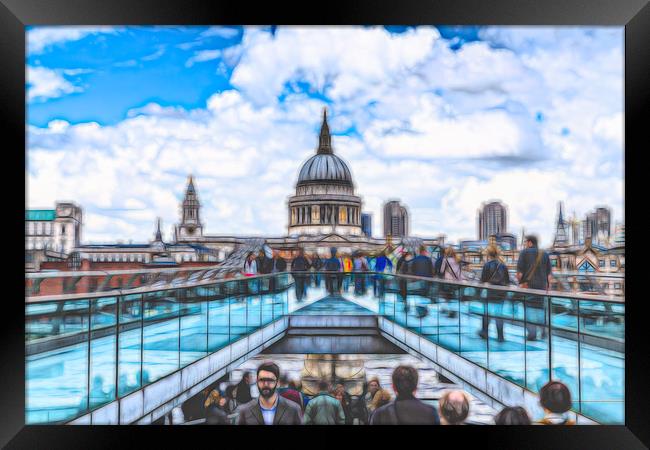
x: 442, y: 118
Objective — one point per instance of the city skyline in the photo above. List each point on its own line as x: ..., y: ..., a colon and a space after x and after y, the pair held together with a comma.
x: 413, y: 113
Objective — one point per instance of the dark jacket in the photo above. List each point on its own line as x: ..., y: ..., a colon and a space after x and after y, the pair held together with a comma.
x: 317, y: 263
x: 537, y: 278
x: 403, y: 266
x: 405, y: 411
x: 287, y: 413
x: 495, y: 272
x: 264, y: 264
x: 243, y: 393
x: 278, y: 264
x: 332, y: 265
x: 300, y: 264
x: 422, y: 266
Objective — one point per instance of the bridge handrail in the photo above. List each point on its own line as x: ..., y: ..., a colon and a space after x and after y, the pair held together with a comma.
x: 478, y: 285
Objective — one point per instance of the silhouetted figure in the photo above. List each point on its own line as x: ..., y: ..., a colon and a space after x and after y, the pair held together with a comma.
x: 512, y: 415
x: 405, y: 409
x: 494, y: 272
x: 299, y: 269
x: 332, y: 279
x: 243, y: 389
x: 534, y: 272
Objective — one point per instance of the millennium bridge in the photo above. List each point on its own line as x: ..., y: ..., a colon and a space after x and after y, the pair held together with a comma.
x: 126, y: 347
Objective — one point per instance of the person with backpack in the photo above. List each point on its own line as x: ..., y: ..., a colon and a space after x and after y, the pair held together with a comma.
x: 534, y: 272
x: 405, y: 409
x: 494, y: 272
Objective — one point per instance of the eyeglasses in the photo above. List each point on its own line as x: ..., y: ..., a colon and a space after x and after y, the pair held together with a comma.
x: 267, y: 380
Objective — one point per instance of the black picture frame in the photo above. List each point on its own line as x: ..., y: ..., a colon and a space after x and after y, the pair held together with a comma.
x: 634, y: 15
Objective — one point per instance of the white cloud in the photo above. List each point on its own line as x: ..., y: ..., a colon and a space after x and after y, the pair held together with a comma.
x: 47, y: 83
x: 40, y: 38
x: 223, y: 32
x: 203, y: 55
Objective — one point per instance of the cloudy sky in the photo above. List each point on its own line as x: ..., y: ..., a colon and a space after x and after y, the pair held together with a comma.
x: 443, y: 118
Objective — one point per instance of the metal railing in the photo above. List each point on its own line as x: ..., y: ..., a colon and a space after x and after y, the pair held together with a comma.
x: 108, y: 344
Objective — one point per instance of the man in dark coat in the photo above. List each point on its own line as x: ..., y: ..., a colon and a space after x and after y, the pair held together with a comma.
x: 534, y: 272
x: 299, y: 267
x: 244, y: 389
x: 333, y: 282
x: 421, y: 265
x: 264, y: 263
x: 270, y: 408
x: 405, y: 409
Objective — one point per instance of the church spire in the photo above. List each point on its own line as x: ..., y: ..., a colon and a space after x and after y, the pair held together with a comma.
x: 561, y: 237
x: 190, y: 185
x: 325, y: 139
x: 158, y: 233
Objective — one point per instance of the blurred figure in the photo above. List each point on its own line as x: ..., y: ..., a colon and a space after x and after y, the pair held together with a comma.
x: 376, y: 396
x: 512, y: 415
x: 243, y: 389
x: 231, y: 402
x: 270, y: 408
x: 299, y: 268
x: 438, y: 264
x: 324, y: 409
x: 454, y: 408
x: 403, y: 267
x: 382, y: 264
x: 250, y: 265
x: 422, y: 266
x: 332, y: 280
x: 279, y: 264
x: 360, y: 265
x: 347, y: 265
x: 344, y: 398
x: 264, y: 263
x: 215, y: 413
x: 494, y: 272
x: 317, y: 264
x: 288, y: 390
x: 450, y: 270
x: 555, y: 398
x: 405, y: 409
x: 534, y: 272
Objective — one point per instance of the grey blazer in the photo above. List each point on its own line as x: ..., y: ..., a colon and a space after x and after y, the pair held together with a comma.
x: 287, y: 413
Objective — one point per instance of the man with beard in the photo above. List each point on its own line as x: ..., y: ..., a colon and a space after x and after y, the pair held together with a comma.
x: 270, y: 408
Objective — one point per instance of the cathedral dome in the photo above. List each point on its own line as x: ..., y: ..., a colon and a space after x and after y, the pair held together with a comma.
x: 325, y: 166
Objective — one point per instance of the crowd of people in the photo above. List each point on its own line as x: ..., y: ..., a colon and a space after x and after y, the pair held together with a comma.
x: 282, y: 402
x: 341, y: 270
